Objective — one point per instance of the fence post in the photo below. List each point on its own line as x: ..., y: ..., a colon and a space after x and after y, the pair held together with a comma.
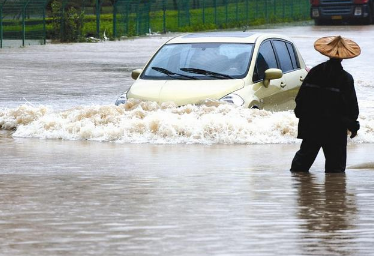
x: 137, y: 18
x: 164, y: 16
x: 203, y: 11
x: 215, y: 12
x: 247, y: 12
x: 24, y: 23
x: 115, y: 19
x: 1, y: 26
x: 149, y: 16
x: 236, y: 11
x: 23, y: 26
x: 292, y: 8
x: 44, y: 25
x: 98, y: 18
x: 128, y: 11
x: 266, y: 12
x: 305, y: 7
x: 256, y: 9
x: 62, y: 25
x: 189, y: 13
x: 227, y: 17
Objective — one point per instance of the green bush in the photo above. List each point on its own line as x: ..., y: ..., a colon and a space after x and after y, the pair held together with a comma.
x: 66, y: 25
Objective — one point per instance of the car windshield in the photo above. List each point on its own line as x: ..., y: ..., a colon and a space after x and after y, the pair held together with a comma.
x: 200, y: 61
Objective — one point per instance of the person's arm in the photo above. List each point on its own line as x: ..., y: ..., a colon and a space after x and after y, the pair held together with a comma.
x: 352, y: 109
x: 301, y: 96
x: 299, y: 102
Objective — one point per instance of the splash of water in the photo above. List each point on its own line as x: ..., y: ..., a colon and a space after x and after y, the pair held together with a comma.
x: 150, y: 122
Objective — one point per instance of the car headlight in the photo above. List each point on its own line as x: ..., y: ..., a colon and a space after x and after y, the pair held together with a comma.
x: 121, y: 99
x: 233, y: 99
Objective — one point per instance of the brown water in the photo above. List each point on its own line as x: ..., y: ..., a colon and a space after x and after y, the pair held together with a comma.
x: 167, y: 196
x: 91, y: 198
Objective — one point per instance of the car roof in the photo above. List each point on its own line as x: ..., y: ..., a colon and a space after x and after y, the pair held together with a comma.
x: 224, y: 37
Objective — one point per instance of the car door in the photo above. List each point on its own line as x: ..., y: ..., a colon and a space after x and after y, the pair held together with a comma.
x: 268, y: 96
x: 292, y: 74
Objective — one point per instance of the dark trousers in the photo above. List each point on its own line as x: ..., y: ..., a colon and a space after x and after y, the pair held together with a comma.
x: 335, y: 151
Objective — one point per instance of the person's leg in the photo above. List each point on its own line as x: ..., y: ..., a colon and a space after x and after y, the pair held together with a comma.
x: 304, y: 158
x: 336, y: 155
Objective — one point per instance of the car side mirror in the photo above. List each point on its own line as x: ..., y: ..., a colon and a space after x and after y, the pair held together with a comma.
x: 270, y: 74
x: 136, y: 73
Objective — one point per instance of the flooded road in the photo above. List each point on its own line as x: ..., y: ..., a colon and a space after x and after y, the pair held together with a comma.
x: 81, y: 177
x: 89, y: 198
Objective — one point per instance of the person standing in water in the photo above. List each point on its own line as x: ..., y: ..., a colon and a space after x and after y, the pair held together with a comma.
x: 327, y: 107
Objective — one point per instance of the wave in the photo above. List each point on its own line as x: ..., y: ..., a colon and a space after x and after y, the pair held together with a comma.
x: 150, y: 122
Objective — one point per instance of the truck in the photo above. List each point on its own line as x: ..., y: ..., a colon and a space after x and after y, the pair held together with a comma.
x: 343, y: 11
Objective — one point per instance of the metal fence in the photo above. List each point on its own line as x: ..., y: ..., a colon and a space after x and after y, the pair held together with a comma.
x: 26, y: 20
x: 136, y: 17
x: 22, y: 22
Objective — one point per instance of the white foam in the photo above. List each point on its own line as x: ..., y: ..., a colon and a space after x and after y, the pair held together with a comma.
x: 149, y: 122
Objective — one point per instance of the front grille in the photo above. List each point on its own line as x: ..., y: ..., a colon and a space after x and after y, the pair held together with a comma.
x: 341, y: 10
x: 337, y: 2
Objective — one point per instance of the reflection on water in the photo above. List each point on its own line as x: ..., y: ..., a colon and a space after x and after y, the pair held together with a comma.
x: 87, y: 198
x: 328, y: 210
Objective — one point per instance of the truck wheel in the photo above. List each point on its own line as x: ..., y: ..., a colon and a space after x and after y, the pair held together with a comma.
x: 318, y: 22
x: 368, y: 20
x: 321, y: 22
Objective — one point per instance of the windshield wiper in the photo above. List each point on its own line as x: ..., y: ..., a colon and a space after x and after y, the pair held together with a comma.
x: 171, y: 74
x: 206, y: 73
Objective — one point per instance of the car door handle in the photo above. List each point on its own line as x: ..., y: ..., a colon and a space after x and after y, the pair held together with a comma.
x: 301, y: 79
x: 283, y: 85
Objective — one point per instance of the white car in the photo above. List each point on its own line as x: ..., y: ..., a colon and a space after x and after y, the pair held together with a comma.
x: 253, y: 70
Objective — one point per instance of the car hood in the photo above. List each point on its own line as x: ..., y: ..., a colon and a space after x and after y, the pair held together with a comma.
x: 183, y: 92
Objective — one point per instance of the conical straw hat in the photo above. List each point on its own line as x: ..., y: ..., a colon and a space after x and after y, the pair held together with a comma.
x: 337, y: 47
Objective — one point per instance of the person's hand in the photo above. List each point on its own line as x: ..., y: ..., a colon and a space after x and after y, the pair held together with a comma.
x: 353, y: 128
x: 353, y: 134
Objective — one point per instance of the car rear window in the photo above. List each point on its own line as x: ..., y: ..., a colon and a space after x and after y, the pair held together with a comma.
x: 283, y: 55
x: 295, y: 61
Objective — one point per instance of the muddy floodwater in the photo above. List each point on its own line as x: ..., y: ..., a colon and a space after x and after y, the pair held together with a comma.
x: 80, y: 176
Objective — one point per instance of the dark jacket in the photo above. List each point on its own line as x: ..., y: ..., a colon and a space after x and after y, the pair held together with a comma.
x: 326, y: 104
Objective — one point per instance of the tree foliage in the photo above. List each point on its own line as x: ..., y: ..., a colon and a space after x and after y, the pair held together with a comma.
x: 67, y: 22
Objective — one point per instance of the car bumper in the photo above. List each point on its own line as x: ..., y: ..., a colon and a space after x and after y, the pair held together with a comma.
x: 341, y: 12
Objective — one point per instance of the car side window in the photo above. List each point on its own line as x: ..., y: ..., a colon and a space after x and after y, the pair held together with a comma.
x: 295, y: 61
x: 283, y: 55
x: 265, y: 60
